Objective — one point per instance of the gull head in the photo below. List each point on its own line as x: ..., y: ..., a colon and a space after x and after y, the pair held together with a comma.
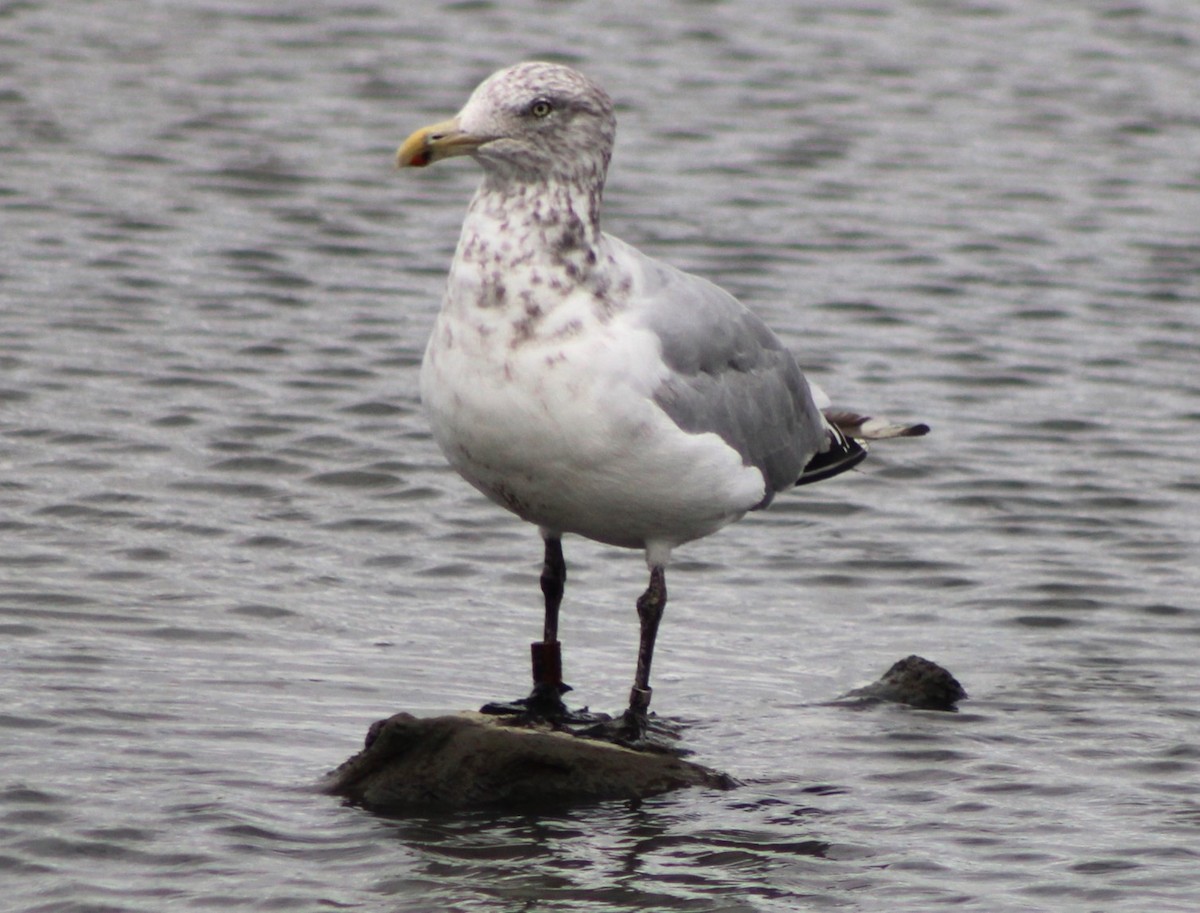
x: 532, y: 122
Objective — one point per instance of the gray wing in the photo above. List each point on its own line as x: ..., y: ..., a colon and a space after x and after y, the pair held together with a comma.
x: 730, y: 375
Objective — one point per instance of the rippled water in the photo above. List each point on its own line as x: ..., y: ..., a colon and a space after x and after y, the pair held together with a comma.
x: 229, y: 543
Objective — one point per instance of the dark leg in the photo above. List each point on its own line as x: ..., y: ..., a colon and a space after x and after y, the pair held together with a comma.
x: 635, y: 729
x: 554, y: 578
x: 545, y: 700
x: 650, y: 611
x: 547, y: 654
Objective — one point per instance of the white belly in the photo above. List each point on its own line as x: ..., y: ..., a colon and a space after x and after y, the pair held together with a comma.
x: 565, y: 434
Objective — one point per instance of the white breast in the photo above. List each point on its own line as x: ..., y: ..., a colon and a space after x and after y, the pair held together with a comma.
x: 563, y: 430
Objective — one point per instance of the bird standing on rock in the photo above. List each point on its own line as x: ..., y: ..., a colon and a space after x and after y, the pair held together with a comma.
x: 588, y: 388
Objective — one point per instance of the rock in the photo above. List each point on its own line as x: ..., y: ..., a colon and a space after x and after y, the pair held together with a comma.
x: 470, y: 760
x: 914, y: 681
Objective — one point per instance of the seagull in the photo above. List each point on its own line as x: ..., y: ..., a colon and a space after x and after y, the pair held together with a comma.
x: 589, y: 388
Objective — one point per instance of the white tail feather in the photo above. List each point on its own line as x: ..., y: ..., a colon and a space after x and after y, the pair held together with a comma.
x: 868, y: 428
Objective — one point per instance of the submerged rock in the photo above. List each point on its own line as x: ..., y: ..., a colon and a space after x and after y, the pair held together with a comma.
x: 914, y: 681
x: 469, y: 760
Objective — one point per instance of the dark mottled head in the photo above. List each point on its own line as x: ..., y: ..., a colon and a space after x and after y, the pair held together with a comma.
x: 529, y: 122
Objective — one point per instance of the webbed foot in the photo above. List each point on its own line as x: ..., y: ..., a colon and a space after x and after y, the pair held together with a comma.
x: 544, y: 703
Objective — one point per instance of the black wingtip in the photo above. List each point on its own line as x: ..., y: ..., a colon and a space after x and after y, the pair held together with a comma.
x: 844, y: 453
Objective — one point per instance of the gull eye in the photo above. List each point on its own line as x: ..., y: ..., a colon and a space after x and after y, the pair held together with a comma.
x: 541, y: 108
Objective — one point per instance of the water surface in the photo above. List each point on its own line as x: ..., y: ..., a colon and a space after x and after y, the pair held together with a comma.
x: 230, y: 544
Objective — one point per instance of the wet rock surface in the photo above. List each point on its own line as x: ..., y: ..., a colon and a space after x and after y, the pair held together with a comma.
x: 472, y: 759
x: 914, y: 681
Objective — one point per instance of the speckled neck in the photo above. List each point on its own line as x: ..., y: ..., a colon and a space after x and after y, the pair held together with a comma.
x: 524, y: 240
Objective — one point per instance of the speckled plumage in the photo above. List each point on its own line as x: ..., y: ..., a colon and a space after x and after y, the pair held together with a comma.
x: 581, y: 384
x: 661, y: 408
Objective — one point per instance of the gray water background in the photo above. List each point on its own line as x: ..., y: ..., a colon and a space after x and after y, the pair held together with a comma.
x: 229, y: 543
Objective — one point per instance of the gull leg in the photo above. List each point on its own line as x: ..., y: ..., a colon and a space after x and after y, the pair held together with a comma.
x: 547, y: 653
x: 554, y: 579
x: 650, y: 611
x: 634, y: 729
x: 545, y: 700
